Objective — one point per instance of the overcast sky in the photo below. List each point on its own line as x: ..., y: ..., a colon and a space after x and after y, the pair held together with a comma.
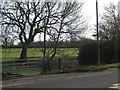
x: 89, y: 9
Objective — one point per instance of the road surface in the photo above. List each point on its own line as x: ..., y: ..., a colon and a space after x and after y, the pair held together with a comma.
x: 102, y: 79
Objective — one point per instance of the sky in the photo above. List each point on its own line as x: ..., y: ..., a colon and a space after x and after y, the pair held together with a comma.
x: 89, y: 10
x: 89, y: 7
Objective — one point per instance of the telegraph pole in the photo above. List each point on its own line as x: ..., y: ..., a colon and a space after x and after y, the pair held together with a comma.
x: 98, y: 50
x: 119, y: 8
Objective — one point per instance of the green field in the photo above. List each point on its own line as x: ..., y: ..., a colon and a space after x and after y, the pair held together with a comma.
x: 14, y: 53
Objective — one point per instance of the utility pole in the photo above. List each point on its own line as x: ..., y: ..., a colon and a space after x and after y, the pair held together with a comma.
x: 98, y: 49
x: 119, y: 8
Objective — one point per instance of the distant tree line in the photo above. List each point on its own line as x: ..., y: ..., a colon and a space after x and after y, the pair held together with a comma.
x: 49, y: 44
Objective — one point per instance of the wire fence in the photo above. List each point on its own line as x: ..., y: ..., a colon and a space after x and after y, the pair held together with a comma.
x: 31, y: 67
x: 65, y: 57
x: 21, y: 67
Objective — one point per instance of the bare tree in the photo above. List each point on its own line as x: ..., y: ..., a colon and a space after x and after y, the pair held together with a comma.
x: 64, y: 18
x: 53, y: 19
x: 110, y: 22
x: 110, y: 25
x: 27, y: 17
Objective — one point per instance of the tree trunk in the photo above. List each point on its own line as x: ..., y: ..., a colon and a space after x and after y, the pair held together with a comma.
x: 24, y: 52
x: 46, y: 65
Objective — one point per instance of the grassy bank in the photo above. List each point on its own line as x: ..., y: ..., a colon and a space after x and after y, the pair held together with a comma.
x: 81, y: 68
x: 85, y: 68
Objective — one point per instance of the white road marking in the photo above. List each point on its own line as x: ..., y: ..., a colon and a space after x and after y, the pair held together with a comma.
x: 88, y: 75
x: 116, y: 84
x: 17, y: 84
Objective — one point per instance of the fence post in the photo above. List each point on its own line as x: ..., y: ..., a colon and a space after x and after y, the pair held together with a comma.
x: 60, y: 65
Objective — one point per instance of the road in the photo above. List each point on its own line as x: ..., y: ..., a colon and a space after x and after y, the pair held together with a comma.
x: 103, y: 79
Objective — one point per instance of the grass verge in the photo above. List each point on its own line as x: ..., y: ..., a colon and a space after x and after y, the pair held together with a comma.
x: 81, y: 68
x: 85, y: 68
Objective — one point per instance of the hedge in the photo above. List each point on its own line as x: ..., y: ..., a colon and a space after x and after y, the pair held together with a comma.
x: 88, y: 53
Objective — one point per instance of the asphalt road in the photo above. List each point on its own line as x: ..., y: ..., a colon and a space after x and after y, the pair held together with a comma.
x: 102, y: 79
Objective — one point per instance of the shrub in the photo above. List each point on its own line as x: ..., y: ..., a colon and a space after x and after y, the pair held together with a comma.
x: 88, y: 53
